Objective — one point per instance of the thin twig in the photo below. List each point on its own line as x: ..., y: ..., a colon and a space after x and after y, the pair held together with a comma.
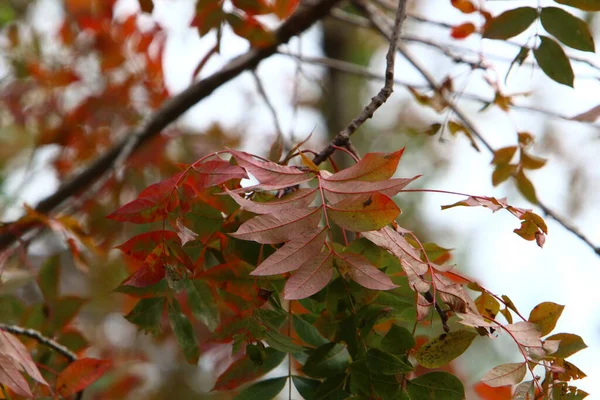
x: 261, y: 90
x: 302, y: 19
x: 382, y: 24
x: 38, y: 337
x: 443, y: 314
x: 342, y: 138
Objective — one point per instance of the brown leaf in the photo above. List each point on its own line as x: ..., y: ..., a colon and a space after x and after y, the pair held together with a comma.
x: 371, y: 168
x: 590, y: 115
x: 363, y: 213
x: 269, y: 173
x: 301, y: 198
x: 278, y: 228
x: 293, y: 254
x: 12, y: 378
x: 364, y: 273
x: 312, y: 276
x: 505, y: 374
x: 336, y: 191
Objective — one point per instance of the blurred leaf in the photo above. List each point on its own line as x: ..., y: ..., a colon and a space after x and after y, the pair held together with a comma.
x: 267, y: 389
x: 202, y: 303
x: 79, y: 375
x: 386, y: 364
x: 48, y: 278
x: 553, y: 61
x: 245, y: 370
x: 505, y: 374
x: 306, y: 387
x: 398, y: 340
x: 440, y: 350
x: 183, y: 332
x: 545, y: 315
x: 567, y: 28
x: 327, y: 360
x: 586, y: 5
x: 569, y: 344
x: 308, y: 332
x: 526, y: 187
x: 510, y: 23
x: 147, y: 314
x: 436, y: 385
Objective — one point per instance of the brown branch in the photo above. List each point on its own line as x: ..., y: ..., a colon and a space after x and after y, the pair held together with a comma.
x: 263, y: 93
x: 302, y: 19
x: 343, y: 137
x: 382, y: 24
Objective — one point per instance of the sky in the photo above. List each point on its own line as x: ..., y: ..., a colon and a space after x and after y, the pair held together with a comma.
x: 565, y: 271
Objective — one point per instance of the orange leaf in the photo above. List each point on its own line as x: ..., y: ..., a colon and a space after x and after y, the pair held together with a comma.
x: 465, y: 6
x: 79, y: 375
x: 364, y: 213
x: 462, y: 31
x: 371, y: 168
x: 285, y: 8
x: 486, y: 392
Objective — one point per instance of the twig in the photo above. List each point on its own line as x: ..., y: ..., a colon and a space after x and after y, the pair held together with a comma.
x: 443, y: 314
x: 381, y: 23
x: 301, y: 20
x: 38, y: 337
x: 358, y: 70
x: 342, y: 138
x: 263, y: 94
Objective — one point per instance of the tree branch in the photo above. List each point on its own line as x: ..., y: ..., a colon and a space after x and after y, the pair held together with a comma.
x: 343, y: 137
x: 302, y: 19
x: 38, y: 337
x: 382, y: 24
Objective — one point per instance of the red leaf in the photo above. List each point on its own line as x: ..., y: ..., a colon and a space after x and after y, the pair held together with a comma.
x: 301, y: 198
x: 11, y: 347
x: 486, y: 392
x: 185, y: 234
x: 364, y: 213
x: 79, y: 375
x: 245, y: 370
x: 252, y: 7
x: 278, y: 228
x: 213, y: 173
x: 339, y: 190
x: 285, y: 8
x: 465, y: 6
x: 312, y: 276
x: 12, y: 378
x: 462, y: 31
x: 372, y: 167
x: 293, y: 254
x: 364, y: 273
x: 151, y: 205
x: 270, y: 173
x: 251, y: 29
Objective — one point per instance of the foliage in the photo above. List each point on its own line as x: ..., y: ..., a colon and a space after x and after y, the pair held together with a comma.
x: 307, y: 267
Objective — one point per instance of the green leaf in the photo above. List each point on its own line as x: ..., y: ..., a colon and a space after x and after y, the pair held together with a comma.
x: 332, y: 388
x: 386, y: 364
x: 307, y: 332
x: 554, y: 62
x: 158, y: 289
x: 398, y: 340
x: 202, y: 303
x: 436, y: 385
x: 183, y: 332
x: 585, y: 5
x: 267, y: 389
x: 64, y: 310
x: 545, y: 315
x: 327, y: 360
x: 567, y: 28
x: 306, y: 387
x: 510, y: 23
x: 245, y: 370
x: 48, y: 278
x: 281, y: 342
x: 569, y: 344
x: 441, y: 350
x: 147, y: 314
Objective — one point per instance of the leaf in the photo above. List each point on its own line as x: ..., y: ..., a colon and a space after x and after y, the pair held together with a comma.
x: 245, y: 370
x: 398, y: 340
x: 80, y: 374
x: 486, y: 392
x: 567, y: 371
x: 567, y: 28
x: 281, y: 342
x: 306, y: 387
x: 267, y: 389
x: 462, y: 31
x: 293, y: 254
x: 338, y: 190
x: 147, y: 314
x: 585, y: 5
x: 385, y: 363
x: 503, y: 172
x: 310, y: 278
x: 251, y: 29
x: 284, y: 8
x: 505, y: 374
x: 202, y: 304
x: 465, y: 6
x: 146, y: 6
x: 569, y: 344
x: 519, y: 59
x: 561, y: 390
x: 12, y: 348
x: 590, y: 115
x: 252, y: 7
x: 504, y: 155
x: 364, y: 212
x: 327, y: 360
x: 545, y: 315
x: 12, y: 378
x: 301, y: 198
x: 553, y: 61
x: 182, y: 328
x: 524, y: 391
x: 278, y: 228
x: 363, y: 272
x: 371, y: 168
x: 487, y: 305
x: 439, y: 351
x: 531, y: 162
x: 510, y: 23
x: 270, y: 173
x: 308, y: 332
x: 456, y: 128
x: 435, y: 385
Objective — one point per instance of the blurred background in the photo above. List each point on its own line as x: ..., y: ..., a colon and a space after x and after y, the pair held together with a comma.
x: 66, y: 96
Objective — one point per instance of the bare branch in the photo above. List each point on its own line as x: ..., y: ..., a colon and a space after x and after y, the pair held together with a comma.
x: 261, y: 90
x: 382, y: 24
x: 342, y: 138
x: 38, y: 337
x: 302, y: 19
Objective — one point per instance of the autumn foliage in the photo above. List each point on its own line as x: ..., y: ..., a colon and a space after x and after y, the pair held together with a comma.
x: 284, y: 262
